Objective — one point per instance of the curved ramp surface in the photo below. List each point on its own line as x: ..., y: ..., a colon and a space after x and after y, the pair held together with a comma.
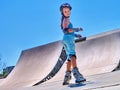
x: 33, y: 65
x: 1, y: 80
x: 98, y: 54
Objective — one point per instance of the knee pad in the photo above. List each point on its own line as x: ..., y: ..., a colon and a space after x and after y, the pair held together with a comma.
x: 73, y: 56
x: 69, y: 60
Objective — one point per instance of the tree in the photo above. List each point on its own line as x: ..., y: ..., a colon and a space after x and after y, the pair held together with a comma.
x: 2, y: 64
x: 4, y: 69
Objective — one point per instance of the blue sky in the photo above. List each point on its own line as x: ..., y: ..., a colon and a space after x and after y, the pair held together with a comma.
x: 28, y: 23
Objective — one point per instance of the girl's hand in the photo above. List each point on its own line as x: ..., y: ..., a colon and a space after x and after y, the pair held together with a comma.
x: 80, y: 29
x: 78, y: 35
x: 77, y: 29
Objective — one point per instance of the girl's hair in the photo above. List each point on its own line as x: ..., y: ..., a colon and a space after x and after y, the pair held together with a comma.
x: 62, y: 22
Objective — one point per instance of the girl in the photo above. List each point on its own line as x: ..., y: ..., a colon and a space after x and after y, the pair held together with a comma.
x: 69, y: 45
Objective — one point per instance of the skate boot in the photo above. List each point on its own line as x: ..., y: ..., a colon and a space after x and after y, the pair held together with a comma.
x: 67, y: 78
x: 79, y: 77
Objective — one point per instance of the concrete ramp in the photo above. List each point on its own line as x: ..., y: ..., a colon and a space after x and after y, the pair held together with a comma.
x: 1, y: 80
x: 33, y: 65
x: 98, y: 54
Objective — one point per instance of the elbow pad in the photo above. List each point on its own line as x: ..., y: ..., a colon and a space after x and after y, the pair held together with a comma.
x: 65, y: 30
x: 76, y: 35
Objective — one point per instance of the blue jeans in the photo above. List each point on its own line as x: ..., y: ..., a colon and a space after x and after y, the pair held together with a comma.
x: 69, y: 45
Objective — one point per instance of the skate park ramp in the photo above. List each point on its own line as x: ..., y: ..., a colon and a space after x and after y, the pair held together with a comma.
x: 33, y: 65
x: 1, y: 80
x: 99, y: 54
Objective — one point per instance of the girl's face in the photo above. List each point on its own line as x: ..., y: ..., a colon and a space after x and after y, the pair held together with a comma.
x: 66, y: 12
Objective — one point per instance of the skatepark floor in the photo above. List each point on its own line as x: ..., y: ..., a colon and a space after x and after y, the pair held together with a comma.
x: 105, y: 81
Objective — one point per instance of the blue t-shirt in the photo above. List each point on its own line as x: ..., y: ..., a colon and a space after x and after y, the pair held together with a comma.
x: 69, y: 26
x: 69, y: 36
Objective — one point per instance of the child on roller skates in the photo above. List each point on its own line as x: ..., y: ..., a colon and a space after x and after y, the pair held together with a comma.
x: 69, y: 45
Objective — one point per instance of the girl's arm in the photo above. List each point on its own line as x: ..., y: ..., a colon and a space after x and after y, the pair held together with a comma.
x: 69, y: 30
x: 65, y: 24
x: 77, y: 29
x: 78, y: 35
x: 73, y: 29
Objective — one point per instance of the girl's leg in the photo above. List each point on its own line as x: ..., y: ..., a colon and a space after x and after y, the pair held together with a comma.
x: 72, y: 56
x: 73, y: 61
x: 69, y: 66
x: 78, y: 76
x: 67, y: 77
